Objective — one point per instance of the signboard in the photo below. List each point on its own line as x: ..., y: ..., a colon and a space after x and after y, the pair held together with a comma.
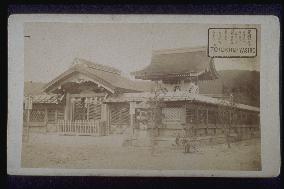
x: 232, y: 42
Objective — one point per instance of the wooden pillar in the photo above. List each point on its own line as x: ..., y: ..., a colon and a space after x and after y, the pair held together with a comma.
x: 67, y: 107
x: 28, y: 124
x: 45, y: 115
x: 230, y: 117
x: 56, y: 113
x: 183, y: 118
x: 104, y: 118
x: 207, y: 121
x: 45, y: 118
x: 132, y: 122
x: 88, y: 110
x: 107, y: 119
x: 132, y: 112
x: 103, y: 112
x: 197, y: 114
x: 215, y: 119
x: 207, y: 115
x: 72, y: 110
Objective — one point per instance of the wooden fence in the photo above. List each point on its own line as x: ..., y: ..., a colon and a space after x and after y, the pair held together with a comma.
x: 82, y: 127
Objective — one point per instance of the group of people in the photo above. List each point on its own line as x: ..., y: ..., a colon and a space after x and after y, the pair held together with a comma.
x: 187, y: 140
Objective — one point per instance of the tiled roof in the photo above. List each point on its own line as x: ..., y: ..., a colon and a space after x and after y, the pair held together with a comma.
x: 176, y: 96
x: 47, y: 98
x: 179, y: 63
x: 108, y: 76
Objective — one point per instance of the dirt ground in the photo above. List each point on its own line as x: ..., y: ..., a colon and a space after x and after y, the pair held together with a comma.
x: 107, y: 152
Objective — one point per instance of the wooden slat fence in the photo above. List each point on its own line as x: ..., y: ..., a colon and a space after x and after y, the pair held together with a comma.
x: 81, y: 127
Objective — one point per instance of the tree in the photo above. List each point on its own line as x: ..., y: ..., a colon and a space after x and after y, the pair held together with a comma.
x: 155, y: 103
x: 226, y: 111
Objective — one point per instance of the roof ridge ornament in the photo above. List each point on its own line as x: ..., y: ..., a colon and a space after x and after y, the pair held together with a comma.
x: 96, y: 66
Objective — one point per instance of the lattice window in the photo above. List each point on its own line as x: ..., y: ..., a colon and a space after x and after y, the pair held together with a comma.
x: 95, y: 111
x: 236, y: 117
x: 80, y: 111
x: 212, y: 117
x: 249, y: 119
x: 190, y: 115
x: 37, y: 115
x: 252, y: 119
x: 202, y: 116
x: 120, y: 115
x: 226, y: 117
x: 51, y: 115
x: 223, y: 116
x: 172, y: 114
x: 244, y: 118
x: 86, y: 108
x: 256, y: 118
x: 60, y: 114
x: 124, y: 115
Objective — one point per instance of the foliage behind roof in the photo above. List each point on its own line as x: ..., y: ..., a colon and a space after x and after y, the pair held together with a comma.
x: 33, y: 88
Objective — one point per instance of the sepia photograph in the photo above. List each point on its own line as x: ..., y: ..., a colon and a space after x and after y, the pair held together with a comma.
x: 137, y: 96
x: 141, y: 96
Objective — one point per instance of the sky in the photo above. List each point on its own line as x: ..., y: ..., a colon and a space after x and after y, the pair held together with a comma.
x: 51, y: 47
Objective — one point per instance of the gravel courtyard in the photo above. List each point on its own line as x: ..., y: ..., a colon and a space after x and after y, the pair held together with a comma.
x: 107, y: 152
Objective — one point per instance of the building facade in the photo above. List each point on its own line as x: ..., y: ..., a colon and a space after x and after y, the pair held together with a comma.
x: 94, y: 99
x: 179, y: 73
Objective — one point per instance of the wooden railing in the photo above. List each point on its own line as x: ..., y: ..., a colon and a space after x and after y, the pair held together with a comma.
x: 82, y: 127
x: 212, y: 129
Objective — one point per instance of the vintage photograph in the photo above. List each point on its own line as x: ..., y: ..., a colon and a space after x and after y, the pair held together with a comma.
x: 141, y: 96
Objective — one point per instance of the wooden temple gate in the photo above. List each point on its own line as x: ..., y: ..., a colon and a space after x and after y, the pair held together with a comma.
x: 82, y: 127
x: 86, y: 116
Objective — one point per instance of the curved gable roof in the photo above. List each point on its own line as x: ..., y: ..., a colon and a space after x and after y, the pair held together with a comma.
x: 179, y: 62
x: 109, y: 77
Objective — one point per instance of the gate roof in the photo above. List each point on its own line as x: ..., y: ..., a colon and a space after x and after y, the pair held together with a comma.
x: 179, y: 63
x: 108, y: 77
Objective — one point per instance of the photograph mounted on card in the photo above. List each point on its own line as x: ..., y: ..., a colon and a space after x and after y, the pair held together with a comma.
x: 143, y: 95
